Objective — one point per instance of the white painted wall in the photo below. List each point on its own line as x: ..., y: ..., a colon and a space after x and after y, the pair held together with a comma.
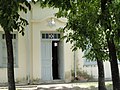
x: 93, y: 69
x: 29, y: 48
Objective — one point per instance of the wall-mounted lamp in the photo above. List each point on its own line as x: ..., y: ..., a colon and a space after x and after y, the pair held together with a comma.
x: 51, y: 22
x: 55, y: 44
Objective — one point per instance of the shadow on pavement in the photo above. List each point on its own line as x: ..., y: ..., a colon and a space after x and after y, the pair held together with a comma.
x: 67, y: 88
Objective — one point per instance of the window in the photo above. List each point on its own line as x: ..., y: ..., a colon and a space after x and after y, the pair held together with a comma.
x: 89, y: 62
x: 50, y: 36
x: 3, y: 50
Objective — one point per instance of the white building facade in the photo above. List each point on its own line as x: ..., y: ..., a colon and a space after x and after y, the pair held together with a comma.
x: 40, y: 55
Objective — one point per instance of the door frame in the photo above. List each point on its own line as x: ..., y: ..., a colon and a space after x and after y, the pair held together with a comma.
x: 62, y: 68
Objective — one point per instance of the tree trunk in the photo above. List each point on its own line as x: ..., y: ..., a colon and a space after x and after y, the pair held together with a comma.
x: 101, y: 78
x: 114, y: 64
x: 111, y: 45
x: 10, y: 63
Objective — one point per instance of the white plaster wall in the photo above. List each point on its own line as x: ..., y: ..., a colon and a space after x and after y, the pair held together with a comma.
x: 93, y: 69
x: 107, y: 70
x: 3, y: 75
x: 29, y: 61
x: 20, y: 71
x: 36, y: 52
x: 39, y: 13
x: 37, y: 29
x: 39, y: 23
x: 40, y: 19
x: 68, y: 61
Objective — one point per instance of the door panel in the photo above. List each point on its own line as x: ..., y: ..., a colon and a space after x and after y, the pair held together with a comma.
x: 60, y: 60
x: 46, y: 54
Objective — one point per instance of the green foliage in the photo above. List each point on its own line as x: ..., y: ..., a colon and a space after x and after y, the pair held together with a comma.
x: 84, y: 31
x: 9, y: 17
x: 87, y: 26
x: 62, y: 4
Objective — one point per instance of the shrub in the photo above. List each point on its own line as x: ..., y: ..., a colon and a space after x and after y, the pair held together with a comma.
x: 82, y: 75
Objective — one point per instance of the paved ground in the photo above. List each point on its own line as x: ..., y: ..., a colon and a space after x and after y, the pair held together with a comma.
x: 70, y: 86
x: 54, y: 87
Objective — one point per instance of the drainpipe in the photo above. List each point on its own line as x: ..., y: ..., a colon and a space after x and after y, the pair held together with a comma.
x: 28, y: 50
x: 75, y: 74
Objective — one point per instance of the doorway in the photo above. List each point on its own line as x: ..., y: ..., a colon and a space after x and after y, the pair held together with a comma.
x: 52, y: 64
x: 55, y: 67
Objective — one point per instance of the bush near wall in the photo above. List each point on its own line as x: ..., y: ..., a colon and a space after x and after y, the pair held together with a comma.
x: 81, y: 76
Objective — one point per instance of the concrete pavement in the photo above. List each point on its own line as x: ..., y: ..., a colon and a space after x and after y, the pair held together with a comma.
x: 66, y: 86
